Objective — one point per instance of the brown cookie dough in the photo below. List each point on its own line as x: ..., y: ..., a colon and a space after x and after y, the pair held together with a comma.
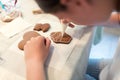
x: 44, y: 27
x: 30, y: 34
x: 38, y: 27
x: 21, y: 44
x: 27, y: 36
x: 57, y: 38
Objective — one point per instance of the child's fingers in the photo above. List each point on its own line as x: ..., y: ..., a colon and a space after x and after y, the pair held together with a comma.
x: 65, y: 21
x: 48, y: 42
x: 71, y: 25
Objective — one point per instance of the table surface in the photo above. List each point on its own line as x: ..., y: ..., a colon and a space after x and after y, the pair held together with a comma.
x: 74, y: 68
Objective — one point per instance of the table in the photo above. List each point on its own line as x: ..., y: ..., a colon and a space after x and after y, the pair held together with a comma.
x: 74, y: 68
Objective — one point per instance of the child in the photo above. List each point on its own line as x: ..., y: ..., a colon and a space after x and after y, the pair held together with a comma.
x: 88, y: 12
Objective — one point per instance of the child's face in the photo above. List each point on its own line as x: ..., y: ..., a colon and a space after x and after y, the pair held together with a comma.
x: 87, y: 13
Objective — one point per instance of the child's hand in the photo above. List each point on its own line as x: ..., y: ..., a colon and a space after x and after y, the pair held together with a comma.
x: 36, y: 50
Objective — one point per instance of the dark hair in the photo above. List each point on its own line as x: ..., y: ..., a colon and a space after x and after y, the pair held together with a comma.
x: 118, y: 5
x: 50, y: 5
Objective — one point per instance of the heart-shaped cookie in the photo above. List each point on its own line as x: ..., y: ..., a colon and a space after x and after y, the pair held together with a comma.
x: 44, y: 27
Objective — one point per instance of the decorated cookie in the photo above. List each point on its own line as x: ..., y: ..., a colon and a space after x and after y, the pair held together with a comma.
x: 58, y: 38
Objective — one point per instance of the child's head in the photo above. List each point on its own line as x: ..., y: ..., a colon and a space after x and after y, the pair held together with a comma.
x: 80, y: 11
x: 50, y: 6
x: 118, y: 5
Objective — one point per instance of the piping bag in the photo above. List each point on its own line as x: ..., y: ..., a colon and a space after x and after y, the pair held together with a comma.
x: 65, y: 24
x: 64, y: 27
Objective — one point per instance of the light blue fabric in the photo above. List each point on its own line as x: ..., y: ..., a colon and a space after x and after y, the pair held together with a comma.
x: 2, y: 6
x: 98, y: 35
x: 88, y: 77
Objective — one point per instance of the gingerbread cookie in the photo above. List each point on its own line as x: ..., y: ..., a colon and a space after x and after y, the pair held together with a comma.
x: 38, y: 27
x: 27, y: 36
x: 11, y: 16
x: 21, y: 44
x: 37, y: 11
x: 7, y: 19
x: 30, y: 34
x: 44, y: 27
x: 57, y: 38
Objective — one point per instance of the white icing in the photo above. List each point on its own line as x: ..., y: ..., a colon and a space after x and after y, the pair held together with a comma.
x: 64, y: 27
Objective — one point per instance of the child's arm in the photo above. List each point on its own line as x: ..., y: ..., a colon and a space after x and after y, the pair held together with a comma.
x: 35, y: 71
x: 36, y: 52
